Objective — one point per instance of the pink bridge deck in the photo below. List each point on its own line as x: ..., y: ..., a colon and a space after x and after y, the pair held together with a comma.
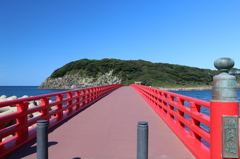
x: 108, y: 130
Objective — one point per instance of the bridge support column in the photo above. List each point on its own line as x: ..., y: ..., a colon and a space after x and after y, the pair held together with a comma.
x: 224, y: 113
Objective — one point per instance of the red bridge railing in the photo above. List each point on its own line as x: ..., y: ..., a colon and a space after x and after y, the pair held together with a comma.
x: 183, y: 115
x: 215, y: 139
x: 65, y: 105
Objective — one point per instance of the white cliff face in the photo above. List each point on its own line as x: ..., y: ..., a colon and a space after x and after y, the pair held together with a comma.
x: 107, y: 79
x: 76, y: 81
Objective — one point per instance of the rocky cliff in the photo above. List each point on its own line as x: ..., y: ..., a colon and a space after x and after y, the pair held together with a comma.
x: 76, y: 81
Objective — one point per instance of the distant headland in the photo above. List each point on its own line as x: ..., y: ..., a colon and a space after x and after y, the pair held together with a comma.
x: 89, y: 73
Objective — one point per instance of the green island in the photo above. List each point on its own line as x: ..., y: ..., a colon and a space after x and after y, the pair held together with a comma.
x: 158, y: 75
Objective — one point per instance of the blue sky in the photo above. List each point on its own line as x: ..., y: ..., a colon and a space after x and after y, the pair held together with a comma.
x: 37, y: 37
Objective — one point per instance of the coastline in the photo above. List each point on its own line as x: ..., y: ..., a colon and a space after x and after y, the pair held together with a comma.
x: 186, y: 88
x: 201, y: 88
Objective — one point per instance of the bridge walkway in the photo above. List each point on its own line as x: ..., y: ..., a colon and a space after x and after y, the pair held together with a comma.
x: 108, y: 130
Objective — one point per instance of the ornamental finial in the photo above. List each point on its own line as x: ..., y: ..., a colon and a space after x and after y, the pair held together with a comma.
x: 224, y: 64
x: 224, y: 85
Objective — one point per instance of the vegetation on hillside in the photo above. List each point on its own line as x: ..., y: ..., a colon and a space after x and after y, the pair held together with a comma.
x: 151, y: 74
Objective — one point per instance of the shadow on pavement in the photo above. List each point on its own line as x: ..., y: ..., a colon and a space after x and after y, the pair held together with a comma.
x: 30, y: 148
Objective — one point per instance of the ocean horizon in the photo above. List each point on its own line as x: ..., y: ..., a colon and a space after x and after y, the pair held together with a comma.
x: 20, y: 91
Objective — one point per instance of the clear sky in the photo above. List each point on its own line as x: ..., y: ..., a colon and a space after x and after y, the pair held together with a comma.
x: 39, y: 36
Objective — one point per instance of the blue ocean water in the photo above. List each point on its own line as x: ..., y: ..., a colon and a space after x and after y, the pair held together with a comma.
x: 20, y: 91
x: 205, y: 95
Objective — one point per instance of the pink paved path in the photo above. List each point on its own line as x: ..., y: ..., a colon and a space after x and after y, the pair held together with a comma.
x: 108, y: 130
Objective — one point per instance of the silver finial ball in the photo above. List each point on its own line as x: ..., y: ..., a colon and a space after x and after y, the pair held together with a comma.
x: 224, y: 64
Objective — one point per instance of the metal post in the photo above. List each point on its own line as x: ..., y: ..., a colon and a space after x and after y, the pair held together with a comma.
x: 142, y: 140
x: 42, y: 139
x: 224, y: 112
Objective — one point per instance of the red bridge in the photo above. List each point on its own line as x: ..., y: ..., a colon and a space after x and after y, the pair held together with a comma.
x: 101, y: 123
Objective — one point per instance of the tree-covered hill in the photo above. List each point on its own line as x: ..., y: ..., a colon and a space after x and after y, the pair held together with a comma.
x: 151, y: 74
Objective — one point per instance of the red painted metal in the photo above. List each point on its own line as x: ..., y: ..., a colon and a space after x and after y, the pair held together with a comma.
x: 218, y: 109
x: 183, y: 119
x: 67, y: 103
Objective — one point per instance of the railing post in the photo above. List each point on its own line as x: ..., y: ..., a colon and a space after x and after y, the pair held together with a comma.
x: 83, y: 103
x: 42, y: 139
x: 142, y: 140
x: 224, y: 112
x: 22, y: 108
x: 59, y: 106
x: 69, y: 110
x: 77, y: 94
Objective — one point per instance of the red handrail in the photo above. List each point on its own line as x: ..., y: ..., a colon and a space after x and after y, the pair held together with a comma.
x: 184, y: 119
x: 67, y: 103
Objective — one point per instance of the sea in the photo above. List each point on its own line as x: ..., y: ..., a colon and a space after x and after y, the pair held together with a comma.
x: 20, y: 91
